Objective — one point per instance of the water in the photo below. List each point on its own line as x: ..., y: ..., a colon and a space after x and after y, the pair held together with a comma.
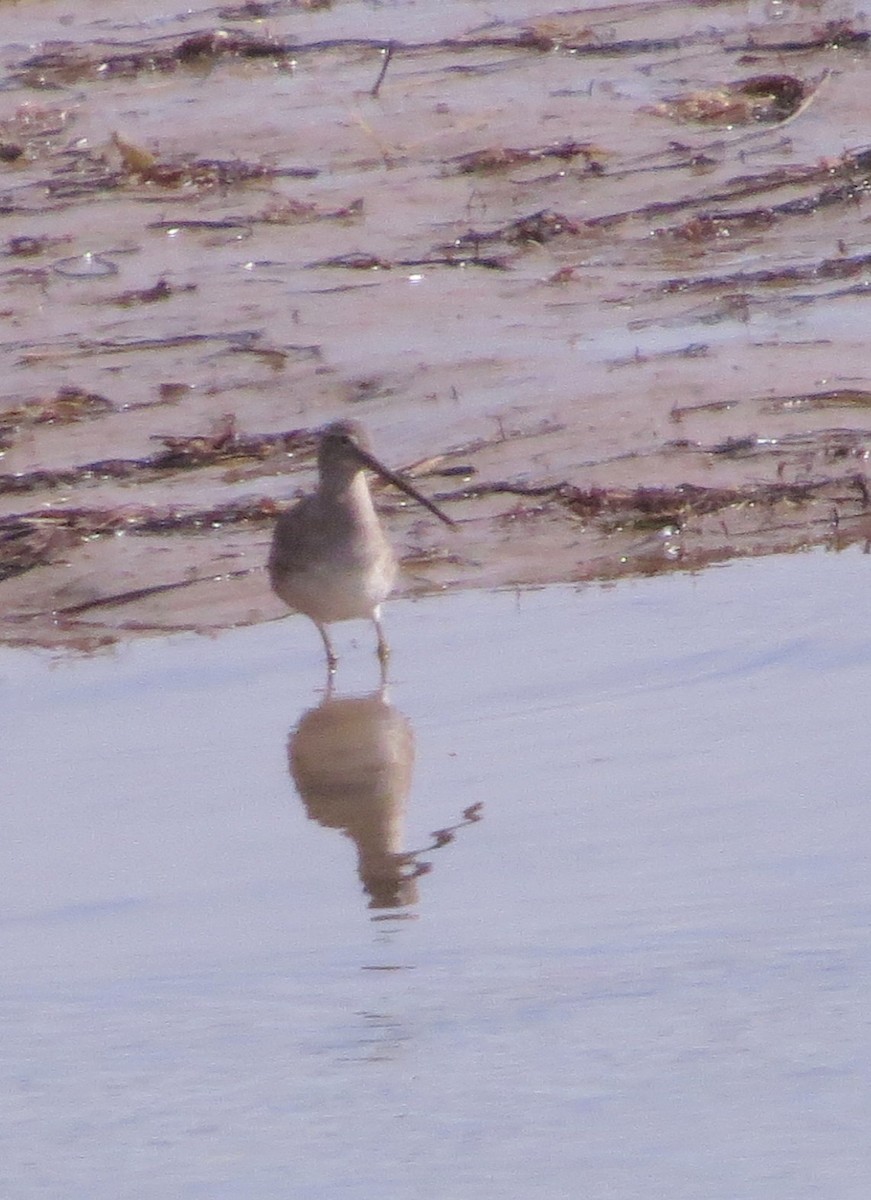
x: 634, y: 963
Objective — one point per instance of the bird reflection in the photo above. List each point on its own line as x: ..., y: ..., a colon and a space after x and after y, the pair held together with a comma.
x: 352, y: 759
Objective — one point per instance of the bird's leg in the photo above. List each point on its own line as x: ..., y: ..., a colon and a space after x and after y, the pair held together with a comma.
x: 383, y: 647
x: 332, y: 661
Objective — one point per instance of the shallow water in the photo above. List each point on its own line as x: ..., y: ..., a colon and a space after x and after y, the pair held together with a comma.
x: 640, y: 968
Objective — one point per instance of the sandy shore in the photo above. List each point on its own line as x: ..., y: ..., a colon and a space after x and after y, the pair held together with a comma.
x: 595, y: 279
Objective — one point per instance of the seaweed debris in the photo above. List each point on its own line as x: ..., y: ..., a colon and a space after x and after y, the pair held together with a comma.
x: 224, y: 444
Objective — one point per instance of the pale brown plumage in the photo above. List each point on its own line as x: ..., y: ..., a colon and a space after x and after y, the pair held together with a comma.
x: 330, y: 558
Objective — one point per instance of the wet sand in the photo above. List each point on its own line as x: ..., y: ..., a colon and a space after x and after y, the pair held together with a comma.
x: 580, y: 903
x: 597, y: 279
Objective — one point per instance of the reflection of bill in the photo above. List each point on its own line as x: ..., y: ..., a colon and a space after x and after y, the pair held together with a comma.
x: 352, y: 760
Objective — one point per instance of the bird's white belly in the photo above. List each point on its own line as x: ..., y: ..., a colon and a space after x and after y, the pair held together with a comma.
x: 332, y: 591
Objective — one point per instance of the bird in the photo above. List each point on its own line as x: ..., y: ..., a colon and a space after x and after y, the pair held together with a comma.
x: 330, y: 558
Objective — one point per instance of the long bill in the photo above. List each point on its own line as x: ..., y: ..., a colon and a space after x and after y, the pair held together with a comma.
x: 389, y: 476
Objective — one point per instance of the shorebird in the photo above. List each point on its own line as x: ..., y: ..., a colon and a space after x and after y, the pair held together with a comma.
x: 330, y: 558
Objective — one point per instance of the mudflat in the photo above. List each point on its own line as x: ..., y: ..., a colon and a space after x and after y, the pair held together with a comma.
x: 596, y: 280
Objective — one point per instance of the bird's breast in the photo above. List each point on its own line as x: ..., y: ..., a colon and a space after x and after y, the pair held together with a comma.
x: 336, y: 569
